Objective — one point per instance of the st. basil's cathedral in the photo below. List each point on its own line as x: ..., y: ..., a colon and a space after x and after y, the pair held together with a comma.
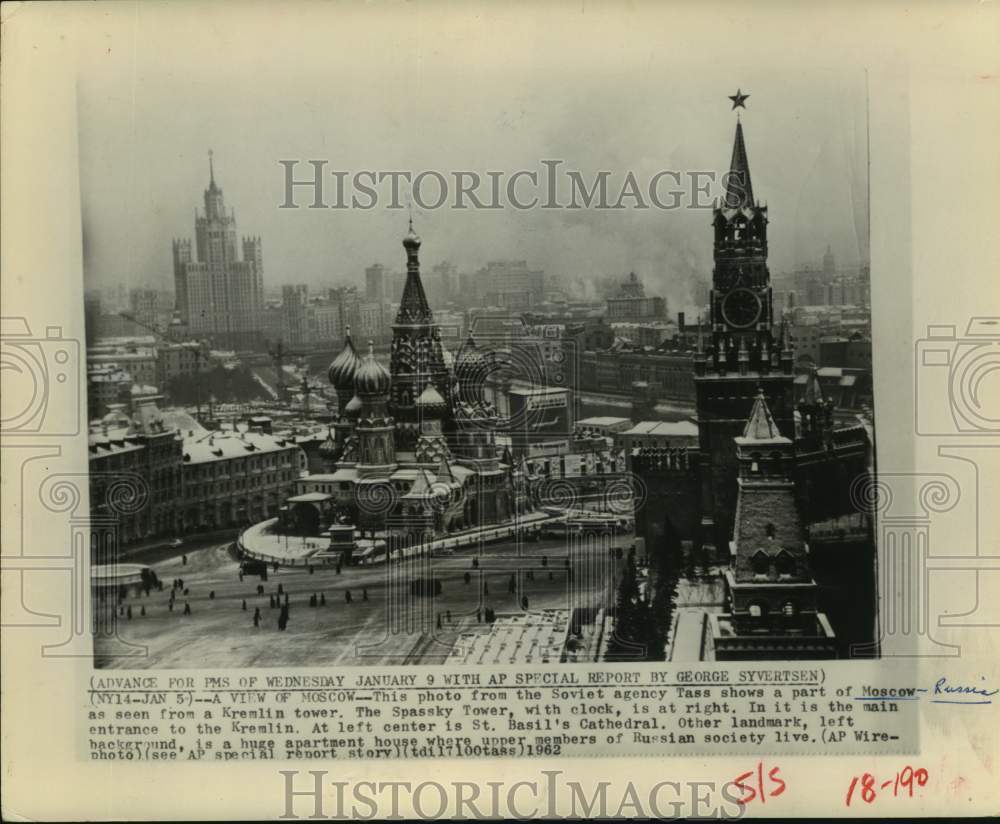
x: 415, y: 445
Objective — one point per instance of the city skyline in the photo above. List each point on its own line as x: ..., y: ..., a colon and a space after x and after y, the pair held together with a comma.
x: 141, y: 168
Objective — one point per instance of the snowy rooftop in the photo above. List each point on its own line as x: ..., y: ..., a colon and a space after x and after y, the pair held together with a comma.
x: 665, y: 429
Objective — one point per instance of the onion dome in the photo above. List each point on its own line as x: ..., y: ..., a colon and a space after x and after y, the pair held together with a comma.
x: 345, y: 365
x: 353, y: 408
x: 372, y: 378
x: 329, y: 447
x: 411, y: 240
x: 430, y: 400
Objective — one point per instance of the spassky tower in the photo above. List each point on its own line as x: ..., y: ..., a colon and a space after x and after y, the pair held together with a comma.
x: 744, y: 351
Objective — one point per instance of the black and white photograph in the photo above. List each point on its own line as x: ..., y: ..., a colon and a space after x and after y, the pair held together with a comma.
x: 575, y: 409
x: 514, y: 364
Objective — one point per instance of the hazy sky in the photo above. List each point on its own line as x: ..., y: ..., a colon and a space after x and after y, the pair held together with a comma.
x: 418, y: 87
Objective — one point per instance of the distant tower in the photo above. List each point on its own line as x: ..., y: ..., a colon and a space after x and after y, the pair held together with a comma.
x: 475, y: 436
x: 375, y: 283
x: 829, y: 265
x: 741, y: 353
x: 475, y: 417
x: 218, y: 294
x: 632, y: 287
x: 417, y: 357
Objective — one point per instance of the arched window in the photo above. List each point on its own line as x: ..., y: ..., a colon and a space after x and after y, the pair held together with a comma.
x: 785, y: 563
x: 758, y: 609
x: 760, y: 562
x: 769, y: 530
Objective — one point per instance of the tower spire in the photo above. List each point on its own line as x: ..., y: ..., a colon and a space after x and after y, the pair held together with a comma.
x: 413, y: 306
x: 211, y: 170
x: 739, y: 190
x: 760, y: 425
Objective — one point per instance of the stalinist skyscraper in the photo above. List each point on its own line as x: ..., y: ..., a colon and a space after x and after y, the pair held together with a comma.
x: 218, y: 295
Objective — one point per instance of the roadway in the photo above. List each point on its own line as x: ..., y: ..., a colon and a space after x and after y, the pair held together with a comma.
x: 376, y: 631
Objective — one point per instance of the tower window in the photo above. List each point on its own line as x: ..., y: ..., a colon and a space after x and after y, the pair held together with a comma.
x: 769, y: 530
x: 789, y: 610
x: 785, y: 564
x: 760, y: 563
x: 758, y: 609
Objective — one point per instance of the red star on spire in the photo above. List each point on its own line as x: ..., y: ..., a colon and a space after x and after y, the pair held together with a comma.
x: 738, y: 99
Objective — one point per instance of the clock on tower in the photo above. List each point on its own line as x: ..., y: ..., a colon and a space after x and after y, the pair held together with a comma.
x: 741, y: 308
